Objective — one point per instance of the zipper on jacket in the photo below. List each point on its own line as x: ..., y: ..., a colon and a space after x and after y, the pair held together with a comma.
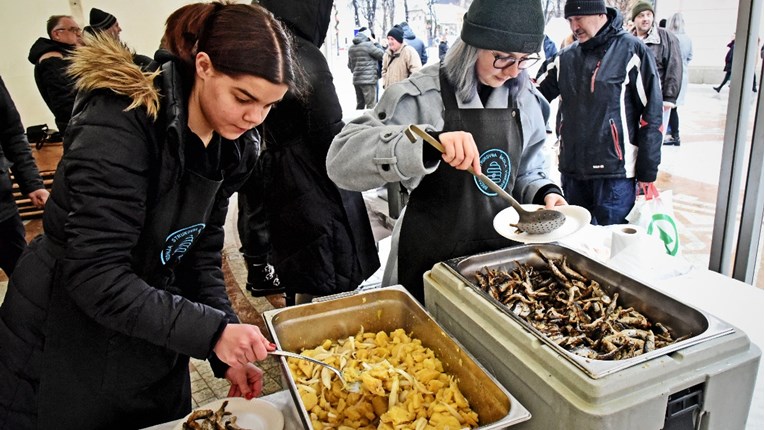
x: 594, y: 74
x: 615, y: 138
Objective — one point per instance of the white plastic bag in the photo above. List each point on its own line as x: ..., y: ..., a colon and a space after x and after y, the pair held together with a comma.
x: 653, y: 211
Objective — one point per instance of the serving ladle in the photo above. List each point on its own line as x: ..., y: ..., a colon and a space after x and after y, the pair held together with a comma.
x: 533, y: 222
x: 351, y: 387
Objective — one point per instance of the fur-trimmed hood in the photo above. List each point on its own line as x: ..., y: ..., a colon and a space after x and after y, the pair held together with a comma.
x: 106, y: 63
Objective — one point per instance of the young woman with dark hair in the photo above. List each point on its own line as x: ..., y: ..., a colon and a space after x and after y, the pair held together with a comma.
x: 105, y: 309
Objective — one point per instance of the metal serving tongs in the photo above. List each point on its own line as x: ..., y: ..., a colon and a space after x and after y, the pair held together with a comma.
x: 536, y: 222
x: 351, y: 387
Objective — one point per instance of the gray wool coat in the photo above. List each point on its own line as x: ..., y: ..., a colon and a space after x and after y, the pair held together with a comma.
x: 373, y: 150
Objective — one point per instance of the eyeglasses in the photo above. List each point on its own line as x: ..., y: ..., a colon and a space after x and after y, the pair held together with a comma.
x: 501, y: 62
x: 76, y: 30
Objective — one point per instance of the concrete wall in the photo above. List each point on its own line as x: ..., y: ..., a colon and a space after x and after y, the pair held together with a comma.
x: 142, y: 23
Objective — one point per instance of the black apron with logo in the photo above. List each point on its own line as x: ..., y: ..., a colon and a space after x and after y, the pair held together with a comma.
x: 172, y: 227
x: 450, y: 213
x: 132, y: 383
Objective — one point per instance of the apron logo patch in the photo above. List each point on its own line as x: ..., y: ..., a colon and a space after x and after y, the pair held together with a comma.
x: 495, y: 163
x: 179, y: 242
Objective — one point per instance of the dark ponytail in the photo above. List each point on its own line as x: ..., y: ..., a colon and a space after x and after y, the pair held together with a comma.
x: 240, y: 39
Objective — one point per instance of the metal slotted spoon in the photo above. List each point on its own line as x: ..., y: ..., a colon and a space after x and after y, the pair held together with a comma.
x: 533, y: 222
x: 352, y: 387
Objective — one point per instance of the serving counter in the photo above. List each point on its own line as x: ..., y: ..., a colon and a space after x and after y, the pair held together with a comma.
x: 734, y: 302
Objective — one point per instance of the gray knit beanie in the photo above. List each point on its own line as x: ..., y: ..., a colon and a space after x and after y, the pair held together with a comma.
x: 584, y: 7
x: 505, y: 26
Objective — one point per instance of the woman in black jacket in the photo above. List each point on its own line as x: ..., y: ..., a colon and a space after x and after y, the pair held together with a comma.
x: 104, y: 310
x: 321, y: 240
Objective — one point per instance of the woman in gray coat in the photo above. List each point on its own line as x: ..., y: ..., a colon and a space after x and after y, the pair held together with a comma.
x: 483, y: 108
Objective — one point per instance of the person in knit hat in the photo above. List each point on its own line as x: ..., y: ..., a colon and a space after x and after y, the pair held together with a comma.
x: 400, y: 59
x: 105, y: 23
x: 482, y: 106
x: 666, y: 53
x: 610, y: 112
x: 101, y: 21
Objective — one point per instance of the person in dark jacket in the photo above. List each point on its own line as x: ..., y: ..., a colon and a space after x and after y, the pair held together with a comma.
x: 443, y: 48
x: 51, y: 58
x: 364, y: 57
x: 666, y: 52
x: 415, y: 42
x: 321, y: 239
x: 105, y: 309
x: 728, y: 67
x: 610, y: 112
x: 16, y: 156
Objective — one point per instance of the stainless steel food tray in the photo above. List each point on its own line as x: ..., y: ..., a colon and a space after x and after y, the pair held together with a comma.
x: 306, y: 326
x: 656, y: 306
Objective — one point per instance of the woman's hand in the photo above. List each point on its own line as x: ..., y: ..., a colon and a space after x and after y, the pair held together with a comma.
x: 246, y: 381
x: 554, y: 199
x: 460, y: 150
x: 241, y: 344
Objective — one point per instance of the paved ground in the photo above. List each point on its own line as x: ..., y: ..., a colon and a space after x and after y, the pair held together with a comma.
x: 691, y: 171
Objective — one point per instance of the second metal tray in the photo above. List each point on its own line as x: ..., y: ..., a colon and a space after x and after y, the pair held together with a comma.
x: 656, y: 306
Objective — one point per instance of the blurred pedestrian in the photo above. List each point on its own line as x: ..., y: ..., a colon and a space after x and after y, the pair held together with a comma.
x: 15, y: 156
x: 666, y: 53
x: 443, y: 47
x: 677, y: 27
x: 364, y: 57
x: 728, y: 68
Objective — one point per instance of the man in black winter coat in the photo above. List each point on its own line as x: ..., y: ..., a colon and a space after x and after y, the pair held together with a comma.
x: 320, y: 236
x: 50, y: 59
x: 610, y: 112
x: 16, y: 155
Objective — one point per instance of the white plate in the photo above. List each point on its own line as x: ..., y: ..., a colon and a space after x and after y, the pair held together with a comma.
x: 576, y: 218
x: 252, y: 414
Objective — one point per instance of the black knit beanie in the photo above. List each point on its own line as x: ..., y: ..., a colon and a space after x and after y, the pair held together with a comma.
x: 506, y: 26
x: 397, y: 33
x: 639, y: 7
x: 100, y: 20
x: 584, y: 7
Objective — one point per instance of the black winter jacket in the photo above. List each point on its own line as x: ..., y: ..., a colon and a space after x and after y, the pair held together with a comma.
x: 15, y: 155
x: 610, y: 107
x: 364, y: 57
x: 321, y: 240
x: 116, y: 331
x: 55, y: 86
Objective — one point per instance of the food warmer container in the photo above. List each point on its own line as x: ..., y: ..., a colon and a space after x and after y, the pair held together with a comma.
x: 703, y: 382
x: 387, y: 309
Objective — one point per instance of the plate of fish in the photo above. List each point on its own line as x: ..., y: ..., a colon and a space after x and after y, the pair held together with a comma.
x: 576, y: 218
x: 234, y: 413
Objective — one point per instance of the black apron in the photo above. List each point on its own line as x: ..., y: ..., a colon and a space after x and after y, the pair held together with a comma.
x: 450, y: 213
x: 118, y: 381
